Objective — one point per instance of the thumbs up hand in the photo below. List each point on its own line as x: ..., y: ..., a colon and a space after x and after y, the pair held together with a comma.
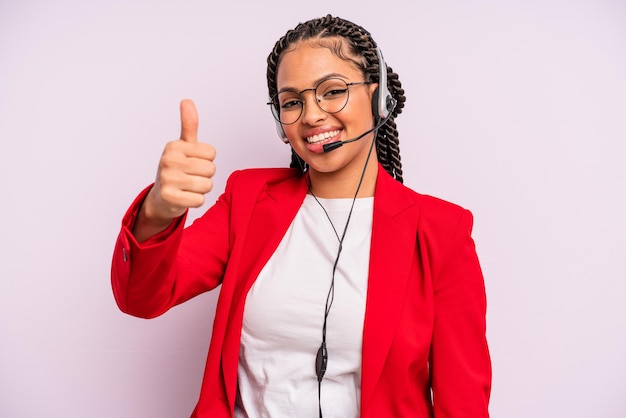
x: 183, y: 177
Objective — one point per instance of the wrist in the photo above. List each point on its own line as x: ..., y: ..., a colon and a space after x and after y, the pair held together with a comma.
x: 150, y: 216
x: 150, y: 221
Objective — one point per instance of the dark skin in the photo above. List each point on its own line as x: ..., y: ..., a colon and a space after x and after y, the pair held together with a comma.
x: 186, y: 166
x: 183, y: 178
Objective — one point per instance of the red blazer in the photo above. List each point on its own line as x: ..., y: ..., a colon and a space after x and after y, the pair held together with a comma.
x: 424, y: 347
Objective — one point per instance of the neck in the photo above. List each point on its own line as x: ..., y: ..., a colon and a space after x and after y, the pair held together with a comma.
x: 344, y: 184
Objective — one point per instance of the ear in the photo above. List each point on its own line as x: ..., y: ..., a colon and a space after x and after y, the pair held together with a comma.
x: 374, y: 90
x: 281, y: 132
x: 373, y: 87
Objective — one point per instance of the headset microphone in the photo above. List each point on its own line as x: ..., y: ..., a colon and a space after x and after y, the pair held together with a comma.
x: 335, y: 145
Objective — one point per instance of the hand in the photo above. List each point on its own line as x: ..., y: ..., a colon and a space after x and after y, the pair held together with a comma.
x: 184, y: 173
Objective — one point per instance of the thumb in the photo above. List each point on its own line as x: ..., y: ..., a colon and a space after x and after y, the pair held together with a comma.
x: 188, y: 121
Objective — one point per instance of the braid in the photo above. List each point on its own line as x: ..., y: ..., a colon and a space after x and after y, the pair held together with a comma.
x: 387, y: 140
x: 361, y: 51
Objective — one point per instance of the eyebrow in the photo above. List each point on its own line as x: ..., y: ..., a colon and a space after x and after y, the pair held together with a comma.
x: 316, y: 82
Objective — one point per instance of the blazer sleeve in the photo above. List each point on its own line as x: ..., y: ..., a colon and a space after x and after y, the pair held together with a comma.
x: 460, y: 361
x: 177, y: 264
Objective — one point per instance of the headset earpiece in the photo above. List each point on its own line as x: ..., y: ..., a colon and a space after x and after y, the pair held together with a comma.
x: 383, y: 102
x: 279, y: 126
x: 281, y: 132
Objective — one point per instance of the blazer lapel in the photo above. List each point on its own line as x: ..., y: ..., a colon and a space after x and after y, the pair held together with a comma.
x: 392, y: 246
x: 275, y: 208
x: 273, y: 211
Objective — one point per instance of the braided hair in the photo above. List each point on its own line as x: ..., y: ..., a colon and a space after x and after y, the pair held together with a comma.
x: 336, y: 33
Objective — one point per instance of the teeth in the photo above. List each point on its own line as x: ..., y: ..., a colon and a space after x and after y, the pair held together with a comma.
x: 321, y: 137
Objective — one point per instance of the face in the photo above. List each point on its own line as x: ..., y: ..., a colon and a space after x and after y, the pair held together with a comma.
x: 303, y: 67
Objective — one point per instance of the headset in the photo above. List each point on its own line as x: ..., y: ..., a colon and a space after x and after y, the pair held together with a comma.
x: 383, y: 104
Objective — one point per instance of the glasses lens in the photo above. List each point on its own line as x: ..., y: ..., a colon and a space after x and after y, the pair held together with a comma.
x: 332, y: 95
x: 288, y: 106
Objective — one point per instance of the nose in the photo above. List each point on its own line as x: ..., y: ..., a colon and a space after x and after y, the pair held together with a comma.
x: 312, y: 112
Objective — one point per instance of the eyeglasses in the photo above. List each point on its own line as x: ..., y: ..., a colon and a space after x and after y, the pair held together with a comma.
x: 331, y: 95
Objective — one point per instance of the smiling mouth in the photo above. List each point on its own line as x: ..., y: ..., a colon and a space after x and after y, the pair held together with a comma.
x: 321, y: 137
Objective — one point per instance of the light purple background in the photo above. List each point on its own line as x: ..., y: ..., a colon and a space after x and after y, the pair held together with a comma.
x: 516, y: 110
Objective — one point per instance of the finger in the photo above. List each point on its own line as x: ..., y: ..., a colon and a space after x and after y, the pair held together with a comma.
x: 197, y: 184
x: 182, y: 198
x: 173, y: 182
x: 189, y: 149
x: 188, y: 193
x: 188, y: 121
x: 199, y: 167
x: 198, y: 150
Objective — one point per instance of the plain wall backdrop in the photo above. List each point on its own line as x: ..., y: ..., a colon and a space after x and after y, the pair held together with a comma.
x: 515, y: 110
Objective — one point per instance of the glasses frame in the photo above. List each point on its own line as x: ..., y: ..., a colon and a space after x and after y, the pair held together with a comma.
x: 275, y: 106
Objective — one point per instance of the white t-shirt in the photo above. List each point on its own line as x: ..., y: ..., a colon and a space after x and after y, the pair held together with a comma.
x: 284, y: 314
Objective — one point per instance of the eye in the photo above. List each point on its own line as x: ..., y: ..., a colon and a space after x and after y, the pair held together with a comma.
x: 289, y: 100
x: 334, y: 93
x: 291, y: 104
x: 332, y: 88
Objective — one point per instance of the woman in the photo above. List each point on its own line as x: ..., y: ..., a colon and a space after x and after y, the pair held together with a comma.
x: 343, y: 293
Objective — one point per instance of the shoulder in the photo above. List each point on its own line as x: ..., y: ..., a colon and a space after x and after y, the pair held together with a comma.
x: 267, y: 173
x: 396, y: 197
x: 277, y: 183
x: 434, y: 217
x: 435, y: 209
x: 441, y: 223
x: 255, y: 177
x: 443, y: 229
